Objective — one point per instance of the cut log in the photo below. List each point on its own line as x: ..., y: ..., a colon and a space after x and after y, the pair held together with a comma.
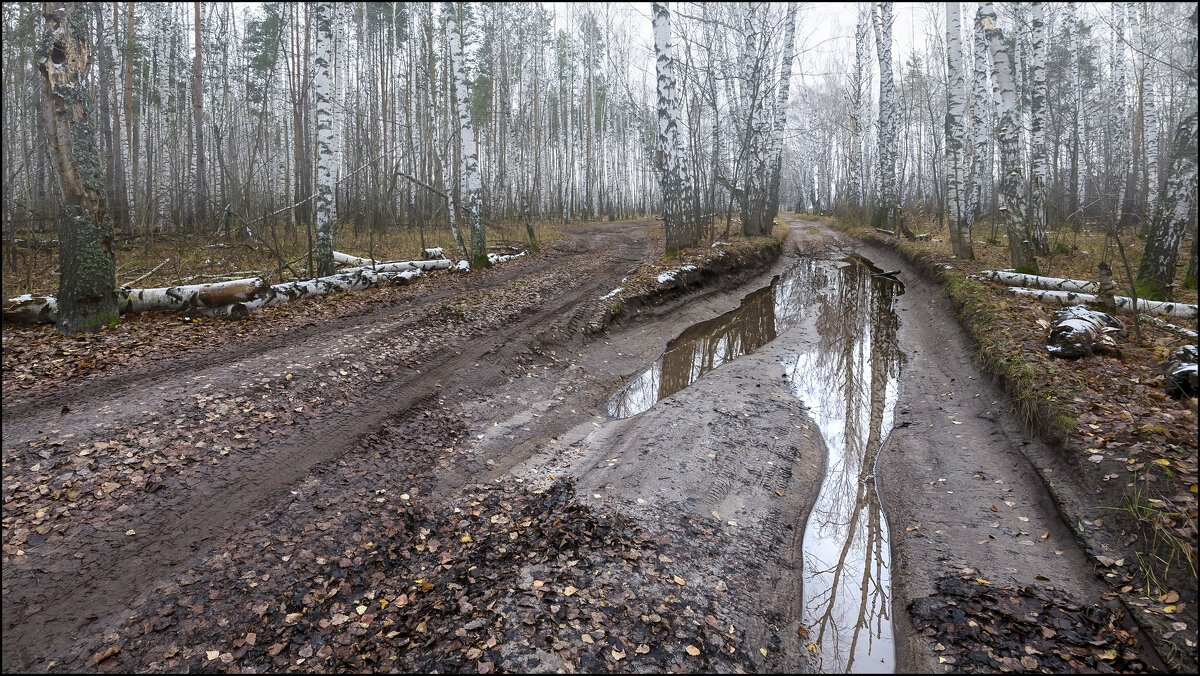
x: 1179, y: 373
x: 30, y: 310
x: 361, y: 278
x: 1038, y: 282
x: 176, y: 298
x: 185, y: 298
x: 493, y: 259
x: 434, y: 253
x: 1124, y: 303
x: 1080, y: 332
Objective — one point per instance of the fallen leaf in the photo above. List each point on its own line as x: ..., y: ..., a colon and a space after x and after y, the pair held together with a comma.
x: 586, y: 638
x: 618, y: 655
x: 104, y: 654
x: 912, y: 527
x: 1169, y: 597
x: 763, y: 651
x: 679, y: 580
x: 212, y: 654
x: 569, y: 590
x: 692, y: 650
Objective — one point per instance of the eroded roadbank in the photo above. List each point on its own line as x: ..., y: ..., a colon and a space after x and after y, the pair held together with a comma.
x: 435, y: 485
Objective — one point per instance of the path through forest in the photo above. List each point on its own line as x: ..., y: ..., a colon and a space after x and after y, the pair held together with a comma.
x: 435, y: 484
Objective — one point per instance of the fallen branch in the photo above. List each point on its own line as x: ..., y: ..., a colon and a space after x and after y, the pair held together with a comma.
x: 1186, y: 333
x: 156, y: 269
x: 1051, y: 283
x: 1124, y: 303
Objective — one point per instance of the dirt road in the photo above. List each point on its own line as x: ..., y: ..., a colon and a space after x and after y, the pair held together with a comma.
x: 435, y: 484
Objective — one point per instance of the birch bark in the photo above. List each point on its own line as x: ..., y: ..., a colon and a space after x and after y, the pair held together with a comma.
x: 1012, y: 179
x: 324, y: 203
x: 957, y: 182
x: 472, y: 187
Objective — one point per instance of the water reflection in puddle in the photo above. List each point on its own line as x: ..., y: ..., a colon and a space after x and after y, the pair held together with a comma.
x: 849, y: 380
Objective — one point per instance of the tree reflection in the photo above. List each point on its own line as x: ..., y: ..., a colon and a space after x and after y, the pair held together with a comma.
x: 849, y: 381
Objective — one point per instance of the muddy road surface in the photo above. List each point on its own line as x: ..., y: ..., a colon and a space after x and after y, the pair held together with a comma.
x: 450, y: 481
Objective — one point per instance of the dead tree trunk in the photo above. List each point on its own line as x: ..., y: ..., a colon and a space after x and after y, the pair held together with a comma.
x: 88, y: 267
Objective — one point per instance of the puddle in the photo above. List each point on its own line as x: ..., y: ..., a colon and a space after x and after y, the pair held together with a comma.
x: 849, y: 380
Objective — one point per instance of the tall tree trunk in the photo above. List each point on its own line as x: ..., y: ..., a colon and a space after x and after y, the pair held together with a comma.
x: 858, y: 100
x: 888, y: 115
x: 781, y: 104
x: 472, y: 197
x: 957, y: 182
x: 87, y: 282
x: 1171, y: 213
x: 201, y: 213
x: 673, y: 171
x: 325, y: 202
x: 1037, y: 141
x: 1012, y: 179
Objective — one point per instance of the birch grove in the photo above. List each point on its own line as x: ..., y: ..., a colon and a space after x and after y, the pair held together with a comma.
x: 1026, y: 125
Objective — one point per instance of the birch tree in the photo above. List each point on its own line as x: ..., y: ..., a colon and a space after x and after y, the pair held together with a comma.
x: 325, y: 202
x: 858, y: 98
x: 781, y: 103
x: 1038, y: 113
x: 889, y: 116
x: 86, y: 285
x: 472, y: 187
x: 957, y: 181
x: 681, y: 229
x: 1012, y: 174
x: 980, y: 134
x: 1174, y: 210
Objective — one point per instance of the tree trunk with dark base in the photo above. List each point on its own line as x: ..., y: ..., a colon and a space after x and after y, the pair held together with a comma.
x: 87, y: 283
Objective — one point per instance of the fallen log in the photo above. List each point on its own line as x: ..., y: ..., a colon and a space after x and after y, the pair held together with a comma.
x: 44, y: 309
x: 1124, y: 303
x: 1186, y: 333
x: 392, y: 266
x: 360, y: 278
x: 1036, y: 281
x: 1179, y: 373
x: 1080, y: 332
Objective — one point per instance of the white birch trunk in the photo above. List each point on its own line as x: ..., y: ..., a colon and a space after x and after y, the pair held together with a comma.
x: 956, y: 182
x: 1149, y: 104
x: 1075, y: 28
x: 858, y: 95
x: 174, y: 298
x: 1012, y: 179
x: 1118, y: 151
x: 1124, y: 303
x: 674, y: 175
x: 980, y: 134
x: 887, y: 116
x: 781, y: 104
x: 325, y: 205
x: 472, y: 187
x: 1038, y: 111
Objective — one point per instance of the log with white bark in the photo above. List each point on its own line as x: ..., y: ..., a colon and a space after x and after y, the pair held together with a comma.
x: 178, y: 298
x: 1186, y: 333
x: 392, y: 266
x: 1036, y: 281
x: 359, y: 278
x: 1079, y: 332
x: 1124, y: 303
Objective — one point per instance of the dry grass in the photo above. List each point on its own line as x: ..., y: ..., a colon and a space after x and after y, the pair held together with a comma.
x: 1074, y: 255
x: 195, y: 259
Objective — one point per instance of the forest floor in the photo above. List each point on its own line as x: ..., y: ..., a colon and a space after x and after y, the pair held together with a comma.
x: 424, y: 478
